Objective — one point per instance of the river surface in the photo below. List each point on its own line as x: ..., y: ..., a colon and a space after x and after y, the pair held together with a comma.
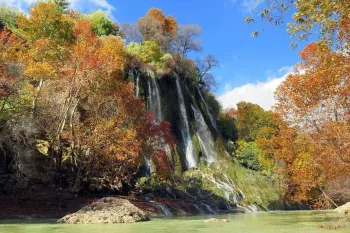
x: 278, y: 222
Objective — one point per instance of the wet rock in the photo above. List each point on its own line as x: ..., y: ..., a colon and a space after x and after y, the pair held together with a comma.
x: 106, y: 210
x: 215, y: 220
x: 22, y: 184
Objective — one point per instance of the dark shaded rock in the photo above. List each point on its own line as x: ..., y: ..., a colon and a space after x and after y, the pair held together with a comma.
x: 22, y: 184
x: 38, y: 188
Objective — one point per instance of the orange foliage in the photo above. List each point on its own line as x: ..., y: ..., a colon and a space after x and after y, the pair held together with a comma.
x: 80, y: 97
x: 11, y: 48
x: 313, y: 141
x: 168, y: 24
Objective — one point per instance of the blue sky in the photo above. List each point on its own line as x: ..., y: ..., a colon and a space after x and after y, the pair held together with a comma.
x: 246, y: 64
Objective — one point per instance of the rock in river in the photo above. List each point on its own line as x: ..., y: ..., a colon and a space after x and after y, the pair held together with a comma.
x: 106, y: 210
x: 215, y: 220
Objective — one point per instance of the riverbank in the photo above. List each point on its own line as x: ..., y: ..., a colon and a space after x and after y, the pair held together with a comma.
x: 41, y: 203
x: 45, y: 202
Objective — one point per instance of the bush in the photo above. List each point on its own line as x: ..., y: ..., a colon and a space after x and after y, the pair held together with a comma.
x: 228, y: 129
x: 248, y: 154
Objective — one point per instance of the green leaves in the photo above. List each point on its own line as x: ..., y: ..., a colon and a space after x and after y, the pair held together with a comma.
x: 248, y: 154
x: 102, y: 23
x: 8, y: 17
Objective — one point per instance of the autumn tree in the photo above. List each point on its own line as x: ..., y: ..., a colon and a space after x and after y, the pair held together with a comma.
x: 315, y: 102
x: 155, y: 26
x: 187, y: 40
x: 11, y: 48
x: 329, y: 15
x: 250, y: 119
x: 91, y: 127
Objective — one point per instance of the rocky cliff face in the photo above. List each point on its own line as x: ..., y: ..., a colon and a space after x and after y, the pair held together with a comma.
x: 178, y: 101
x: 200, y: 154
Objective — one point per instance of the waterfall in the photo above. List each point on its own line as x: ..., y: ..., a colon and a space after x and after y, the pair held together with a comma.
x: 135, y: 80
x: 253, y: 208
x: 149, y: 99
x: 163, y: 208
x: 185, y: 130
x: 154, y: 99
x: 205, y: 138
x: 148, y: 168
x: 209, y: 209
x: 213, y: 122
x: 154, y: 106
x: 248, y: 209
x: 200, y: 211
x: 138, y: 85
x: 227, y: 186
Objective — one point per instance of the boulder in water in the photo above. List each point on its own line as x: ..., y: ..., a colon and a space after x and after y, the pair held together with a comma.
x: 344, y: 208
x: 106, y: 210
x: 215, y: 220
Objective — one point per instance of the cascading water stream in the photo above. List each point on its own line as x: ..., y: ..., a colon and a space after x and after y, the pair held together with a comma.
x: 200, y: 210
x: 137, y: 85
x: 213, y: 122
x: 205, y: 138
x: 227, y: 186
x: 155, y: 107
x: 185, y: 130
x: 208, y: 208
x: 163, y: 208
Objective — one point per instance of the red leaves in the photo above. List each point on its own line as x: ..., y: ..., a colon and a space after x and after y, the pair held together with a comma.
x: 83, y: 30
x: 162, y: 164
x: 160, y: 131
x: 158, y: 138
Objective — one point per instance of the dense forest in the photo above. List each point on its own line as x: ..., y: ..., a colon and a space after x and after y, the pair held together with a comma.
x: 89, y: 105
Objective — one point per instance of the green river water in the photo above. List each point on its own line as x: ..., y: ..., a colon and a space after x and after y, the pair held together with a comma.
x: 281, y: 222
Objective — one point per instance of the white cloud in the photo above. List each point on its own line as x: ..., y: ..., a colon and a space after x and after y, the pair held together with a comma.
x: 81, y: 5
x: 250, y: 5
x: 103, y: 4
x: 261, y: 93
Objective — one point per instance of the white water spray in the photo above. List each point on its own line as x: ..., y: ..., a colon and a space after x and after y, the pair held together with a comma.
x: 185, y: 130
x: 205, y: 138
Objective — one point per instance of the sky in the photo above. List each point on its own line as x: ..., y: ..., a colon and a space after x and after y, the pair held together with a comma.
x: 250, y: 68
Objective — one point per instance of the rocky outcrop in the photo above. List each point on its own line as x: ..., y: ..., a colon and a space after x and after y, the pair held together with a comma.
x: 215, y: 220
x: 106, y: 210
x: 344, y: 208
